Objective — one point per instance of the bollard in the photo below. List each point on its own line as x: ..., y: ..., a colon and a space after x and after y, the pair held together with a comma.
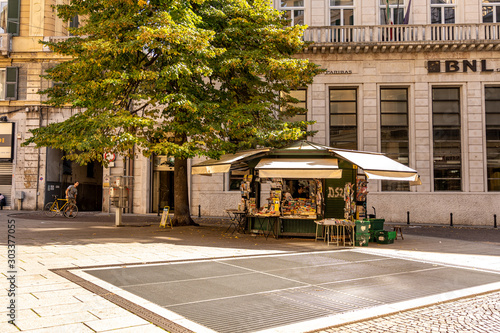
x: 408, y: 217
x: 451, y: 219
x: 495, y: 221
x: 199, y: 210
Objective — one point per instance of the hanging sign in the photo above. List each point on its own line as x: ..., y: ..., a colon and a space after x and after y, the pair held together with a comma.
x: 110, y: 157
x: 6, y: 140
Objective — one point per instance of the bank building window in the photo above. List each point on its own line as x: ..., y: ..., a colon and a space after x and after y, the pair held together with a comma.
x: 491, y: 11
x: 492, y: 108
x: 447, y: 154
x: 442, y: 11
x: 293, y: 11
x: 392, y: 11
x: 394, y: 131
x: 341, y: 12
x: 301, y: 96
x: 343, y: 118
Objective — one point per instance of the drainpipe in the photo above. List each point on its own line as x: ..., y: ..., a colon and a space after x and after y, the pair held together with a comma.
x: 131, y: 173
x: 38, y: 164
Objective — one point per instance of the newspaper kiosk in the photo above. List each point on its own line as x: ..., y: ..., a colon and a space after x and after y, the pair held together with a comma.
x: 287, y: 191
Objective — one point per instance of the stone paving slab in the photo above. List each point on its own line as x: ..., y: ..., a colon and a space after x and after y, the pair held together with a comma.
x: 476, y: 314
x: 44, y: 244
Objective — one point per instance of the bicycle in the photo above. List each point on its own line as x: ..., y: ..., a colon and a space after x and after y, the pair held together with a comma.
x: 53, y: 208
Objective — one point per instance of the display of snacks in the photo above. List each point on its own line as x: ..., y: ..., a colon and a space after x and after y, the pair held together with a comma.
x: 252, y: 206
x: 299, y: 207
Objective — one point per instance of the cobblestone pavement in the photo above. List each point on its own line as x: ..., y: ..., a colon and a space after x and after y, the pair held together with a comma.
x: 476, y: 314
x: 48, y: 303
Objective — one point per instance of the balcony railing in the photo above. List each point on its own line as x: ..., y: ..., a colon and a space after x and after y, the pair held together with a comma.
x: 428, y: 36
x: 54, y: 39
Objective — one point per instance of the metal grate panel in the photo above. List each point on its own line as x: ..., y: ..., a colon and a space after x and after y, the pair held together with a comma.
x: 264, y: 292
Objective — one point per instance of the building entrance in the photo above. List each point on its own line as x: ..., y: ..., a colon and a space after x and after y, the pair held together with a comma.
x: 60, y: 173
x: 163, y: 183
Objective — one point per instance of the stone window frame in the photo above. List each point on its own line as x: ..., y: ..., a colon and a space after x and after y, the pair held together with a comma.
x: 350, y: 127
x: 447, y: 135
x: 495, y: 12
x: 442, y: 8
x: 393, y: 7
x: 492, y: 137
x: 342, y: 8
x: 391, y: 185
x: 293, y: 9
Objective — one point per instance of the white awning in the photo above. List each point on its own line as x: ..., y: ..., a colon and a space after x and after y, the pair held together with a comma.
x: 379, y: 166
x: 299, y: 168
x: 224, y: 163
x: 387, y: 175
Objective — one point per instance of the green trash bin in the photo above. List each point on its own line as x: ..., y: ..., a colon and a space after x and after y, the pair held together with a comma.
x: 362, y: 226
x: 377, y: 224
x: 362, y: 238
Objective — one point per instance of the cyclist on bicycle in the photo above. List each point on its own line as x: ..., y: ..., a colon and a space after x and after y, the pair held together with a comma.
x: 71, y: 193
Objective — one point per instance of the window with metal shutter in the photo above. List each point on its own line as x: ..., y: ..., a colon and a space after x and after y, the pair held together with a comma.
x: 13, y: 10
x: 11, y: 79
x: 6, y: 181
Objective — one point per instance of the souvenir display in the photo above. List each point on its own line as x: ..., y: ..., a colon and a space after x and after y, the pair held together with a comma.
x: 246, y: 190
x: 350, y: 204
x: 361, y: 194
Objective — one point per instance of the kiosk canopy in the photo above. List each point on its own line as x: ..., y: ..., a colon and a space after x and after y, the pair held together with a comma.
x: 299, y: 168
x: 378, y: 166
x: 225, y: 163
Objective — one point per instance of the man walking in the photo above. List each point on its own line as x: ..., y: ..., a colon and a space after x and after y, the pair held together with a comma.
x: 71, y: 193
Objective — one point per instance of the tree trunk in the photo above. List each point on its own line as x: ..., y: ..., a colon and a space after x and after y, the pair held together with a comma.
x: 182, y: 214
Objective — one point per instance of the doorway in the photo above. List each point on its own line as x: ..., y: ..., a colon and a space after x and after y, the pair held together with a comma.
x: 163, y: 183
x: 163, y: 194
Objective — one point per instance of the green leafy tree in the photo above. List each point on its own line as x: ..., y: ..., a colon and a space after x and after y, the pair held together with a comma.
x: 174, y: 77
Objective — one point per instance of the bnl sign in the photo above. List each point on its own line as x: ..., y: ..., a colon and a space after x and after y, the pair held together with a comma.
x: 452, y: 66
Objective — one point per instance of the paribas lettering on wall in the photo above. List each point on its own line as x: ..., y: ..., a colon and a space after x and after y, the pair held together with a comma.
x: 337, y: 72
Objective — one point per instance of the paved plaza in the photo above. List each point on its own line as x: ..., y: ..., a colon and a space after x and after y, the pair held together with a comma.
x: 47, y: 302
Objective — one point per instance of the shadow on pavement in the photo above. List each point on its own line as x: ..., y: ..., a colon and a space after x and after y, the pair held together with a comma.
x: 34, y: 228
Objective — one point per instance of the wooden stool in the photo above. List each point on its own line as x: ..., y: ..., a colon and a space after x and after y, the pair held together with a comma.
x: 398, y: 228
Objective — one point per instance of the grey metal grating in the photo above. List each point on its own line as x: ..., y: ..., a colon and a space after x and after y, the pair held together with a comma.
x: 248, y: 313
x: 325, y: 299
x: 265, y: 292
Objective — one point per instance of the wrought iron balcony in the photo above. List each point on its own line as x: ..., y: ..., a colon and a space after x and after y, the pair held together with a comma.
x: 403, y: 38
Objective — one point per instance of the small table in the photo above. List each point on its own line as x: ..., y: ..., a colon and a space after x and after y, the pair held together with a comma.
x: 238, y: 220
x: 398, y: 228
x: 340, y: 229
x: 327, y: 224
x: 270, y: 221
x: 345, y: 229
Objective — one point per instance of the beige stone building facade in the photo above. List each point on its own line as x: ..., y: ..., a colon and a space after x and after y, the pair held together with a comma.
x: 417, y: 80
x: 425, y: 91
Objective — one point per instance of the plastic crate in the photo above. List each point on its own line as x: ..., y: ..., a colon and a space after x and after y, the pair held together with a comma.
x: 362, y: 238
x: 377, y: 224
x: 362, y: 226
x: 373, y: 235
x: 383, y: 237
